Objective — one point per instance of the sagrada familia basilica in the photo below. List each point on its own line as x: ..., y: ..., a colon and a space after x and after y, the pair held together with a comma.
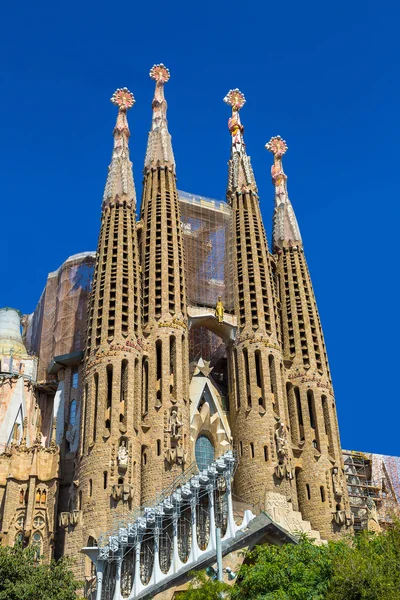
x: 173, y: 386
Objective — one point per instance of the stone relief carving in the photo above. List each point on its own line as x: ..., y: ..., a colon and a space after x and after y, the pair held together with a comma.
x: 284, y: 468
x: 122, y: 457
x: 174, y: 452
x: 337, y: 481
x: 122, y: 491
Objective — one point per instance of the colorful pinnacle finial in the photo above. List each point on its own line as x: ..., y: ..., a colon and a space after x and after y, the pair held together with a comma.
x: 123, y: 98
x: 235, y: 99
x: 160, y: 73
x: 277, y: 146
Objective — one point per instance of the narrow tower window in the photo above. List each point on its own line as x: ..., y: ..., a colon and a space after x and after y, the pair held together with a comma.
x: 123, y: 392
x: 172, y: 365
x: 299, y: 412
x: 260, y: 383
x: 109, y: 397
x: 96, y: 401
x: 158, y: 370
x: 247, y: 371
x: 327, y: 423
x: 308, y: 492
x: 145, y: 386
x: 237, y: 386
x: 311, y: 408
x: 273, y: 380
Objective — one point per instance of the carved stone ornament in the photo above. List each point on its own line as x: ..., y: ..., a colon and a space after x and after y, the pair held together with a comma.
x: 63, y: 519
x: 122, y: 456
x: 176, y: 455
x: 284, y: 468
x: 122, y: 492
x: 340, y: 517
x: 174, y: 425
x: 337, y: 482
x: 74, y: 517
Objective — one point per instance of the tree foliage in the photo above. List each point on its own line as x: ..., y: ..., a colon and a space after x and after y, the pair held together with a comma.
x: 22, y: 578
x: 363, y: 567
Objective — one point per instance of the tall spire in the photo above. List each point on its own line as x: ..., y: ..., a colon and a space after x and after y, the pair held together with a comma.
x: 285, y: 227
x: 120, y: 186
x: 240, y: 170
x: 159, y: 147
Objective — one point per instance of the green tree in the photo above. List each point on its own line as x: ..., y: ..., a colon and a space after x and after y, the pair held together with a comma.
x: 369, y: 568
x: 203, y: 588
x: 22, y: 578
x: 363, y: 567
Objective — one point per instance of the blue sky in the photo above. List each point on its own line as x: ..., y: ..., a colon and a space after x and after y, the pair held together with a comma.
x: 323, y: 76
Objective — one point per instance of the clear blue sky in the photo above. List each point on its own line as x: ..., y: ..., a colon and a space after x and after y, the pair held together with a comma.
x: 324, y: 76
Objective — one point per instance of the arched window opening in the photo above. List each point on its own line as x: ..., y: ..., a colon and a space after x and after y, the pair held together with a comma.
x: 96, y: 404
x: 144, y: 456
x: 311, y: 408
x: 273, y: 382
x: 291, y: 403
x: 172, y: 365
x: 259, y: 377
x: 109, y: 397
x: 237, y: 386
x: 328, y: 425
x: 123, y: 392
x: 158, y: 371
x: 247, y: 372
x: 145, y: 387
x: 299, y: 412
x: 204, y: 452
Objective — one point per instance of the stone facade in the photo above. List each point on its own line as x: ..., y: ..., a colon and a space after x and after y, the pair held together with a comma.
x: 110, y: 424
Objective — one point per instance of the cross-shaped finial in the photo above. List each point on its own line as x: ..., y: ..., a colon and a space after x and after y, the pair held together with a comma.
x: 160, y: 73
x: 235, y: 99
x: 277, y: 146
x: 123, y: 98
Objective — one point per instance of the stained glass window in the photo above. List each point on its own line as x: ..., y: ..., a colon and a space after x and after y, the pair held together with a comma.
x: 204, y: 451
x: 37, y: 545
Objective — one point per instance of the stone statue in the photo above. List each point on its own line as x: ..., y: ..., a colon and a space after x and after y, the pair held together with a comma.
x: 281, y: 441
x: 337, y: 482
x: 284, y: 468
x: 123, y: 455
x: 219, y: 310
x: 174, y: 424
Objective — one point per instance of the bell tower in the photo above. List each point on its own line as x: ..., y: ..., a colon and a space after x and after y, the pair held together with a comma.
x: 322, y: 493
x: 165, y: 369
x: 107, y: 474
x: 259, y: 415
